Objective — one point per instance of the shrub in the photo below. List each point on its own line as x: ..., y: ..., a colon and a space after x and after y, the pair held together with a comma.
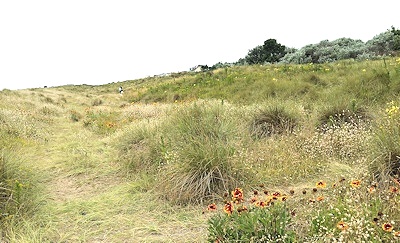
x: 327, y: 51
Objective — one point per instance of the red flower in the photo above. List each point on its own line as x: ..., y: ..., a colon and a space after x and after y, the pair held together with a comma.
x: 387, y: 227
x: 237, y: 195
x: 320, y: 184
x: 261, y: 204
x: 212, y: 207
x: 355, y: 183
x: 276, y: 194
x: 394, y: 189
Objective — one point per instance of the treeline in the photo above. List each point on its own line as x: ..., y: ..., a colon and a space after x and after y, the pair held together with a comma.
x: 384, y: 44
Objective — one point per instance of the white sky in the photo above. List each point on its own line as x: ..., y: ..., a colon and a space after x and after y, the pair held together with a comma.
x: 54, y: 42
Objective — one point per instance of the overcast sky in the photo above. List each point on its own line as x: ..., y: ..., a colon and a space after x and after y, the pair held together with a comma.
x: 54, y: 42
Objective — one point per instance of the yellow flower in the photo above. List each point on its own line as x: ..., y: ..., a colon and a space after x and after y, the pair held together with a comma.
x: 364, y: 70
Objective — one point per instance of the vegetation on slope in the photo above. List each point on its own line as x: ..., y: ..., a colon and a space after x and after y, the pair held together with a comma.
x: 144, y: 165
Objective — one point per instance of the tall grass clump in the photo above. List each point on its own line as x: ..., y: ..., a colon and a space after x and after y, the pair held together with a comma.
x: 274, y: 119
x: 15, y: 190
x: 198, y: 146
x: 139, y: 148
x: 386, y: 143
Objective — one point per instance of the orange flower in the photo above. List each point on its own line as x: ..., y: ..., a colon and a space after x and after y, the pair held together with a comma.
x: 342, y: 225
x: 237, y: 195
x: 387, y: 227
x: 321, y: 184
x: 396, y: 233
x: 355, y: 183
x: 320, y: 198
x: 228, y: 208
x: 212, y: 207
x: 394, y: 189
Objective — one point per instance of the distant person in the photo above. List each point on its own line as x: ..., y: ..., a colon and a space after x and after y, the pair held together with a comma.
x: 121, y: 91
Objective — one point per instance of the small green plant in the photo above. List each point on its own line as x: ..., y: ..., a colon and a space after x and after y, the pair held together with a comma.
x: 74, y: 115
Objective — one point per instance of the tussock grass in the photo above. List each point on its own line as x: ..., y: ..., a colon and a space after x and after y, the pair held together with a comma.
x: 198, y: 146
x: 274, y: 120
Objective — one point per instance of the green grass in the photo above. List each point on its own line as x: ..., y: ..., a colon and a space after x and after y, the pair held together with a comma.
x: 87, y: 164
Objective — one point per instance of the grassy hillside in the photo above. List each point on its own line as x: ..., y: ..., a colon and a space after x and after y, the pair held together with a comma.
x: 85, y: 164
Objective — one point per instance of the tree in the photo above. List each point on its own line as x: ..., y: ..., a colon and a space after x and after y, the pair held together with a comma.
x: 396, y: 39
x: 270, y: 52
